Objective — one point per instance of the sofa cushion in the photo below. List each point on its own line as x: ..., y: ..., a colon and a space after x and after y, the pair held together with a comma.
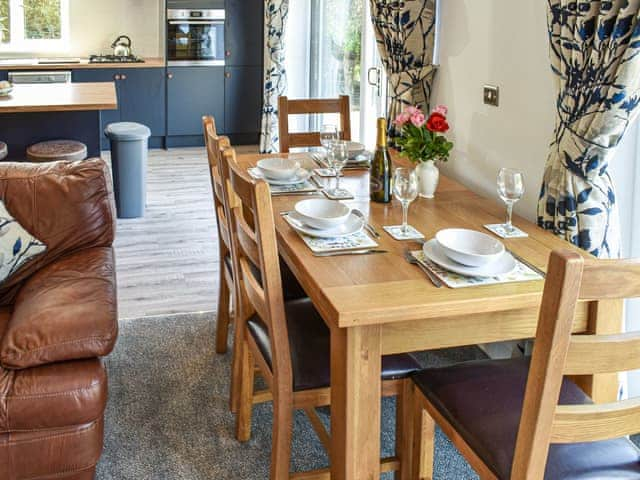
x: 66, y: 311
x: 17, y: 246
x: 52, y: 396
x: 66, y: 205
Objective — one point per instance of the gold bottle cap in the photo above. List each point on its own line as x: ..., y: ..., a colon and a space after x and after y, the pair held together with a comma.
x: 382, y: 132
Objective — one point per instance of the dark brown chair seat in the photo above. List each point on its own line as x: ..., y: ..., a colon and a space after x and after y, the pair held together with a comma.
x: 4, y: 151
x: 56, y: 150
x: 309, y: 342
x: 483, y: 401
x: 291, y: 289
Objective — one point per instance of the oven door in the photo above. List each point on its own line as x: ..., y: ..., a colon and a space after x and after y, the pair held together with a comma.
x: 195, y: 42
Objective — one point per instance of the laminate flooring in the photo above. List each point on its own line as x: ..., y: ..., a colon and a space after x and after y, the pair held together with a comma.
x: 167, y: 262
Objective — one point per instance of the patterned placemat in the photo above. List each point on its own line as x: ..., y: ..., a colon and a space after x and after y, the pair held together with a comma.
x: 397, y: 234
x: 356, y: 241
x: 302, y: 187
x: 522, y: 273
x: 500, y: 230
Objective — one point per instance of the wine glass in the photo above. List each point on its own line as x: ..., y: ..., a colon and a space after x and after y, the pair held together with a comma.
x: 510, y: 189
x: 338, y: 156
x: 328, y: 135
x: 405, y: 189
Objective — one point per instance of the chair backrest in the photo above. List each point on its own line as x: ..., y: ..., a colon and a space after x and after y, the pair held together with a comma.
x: 255, y: 249
x: 288, y: 107
x: 214, y: 145
x: 557, y: 353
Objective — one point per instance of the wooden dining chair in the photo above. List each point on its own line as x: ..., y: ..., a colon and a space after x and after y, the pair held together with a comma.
x: 214, y: 144
x: 287, y: 341
x: 288, y: 107
x: 524, y: 419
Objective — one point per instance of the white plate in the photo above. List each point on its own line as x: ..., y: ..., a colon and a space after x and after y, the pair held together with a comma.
x: 301, y: 176
x: 505, y: 264
x: 353, y: 225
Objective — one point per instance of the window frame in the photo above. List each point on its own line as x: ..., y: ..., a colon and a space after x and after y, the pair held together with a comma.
x: 20, y: 44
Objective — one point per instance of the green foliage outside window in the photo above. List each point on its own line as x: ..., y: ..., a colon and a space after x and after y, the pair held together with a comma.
x: 42, y: 19
x: 5, y: 36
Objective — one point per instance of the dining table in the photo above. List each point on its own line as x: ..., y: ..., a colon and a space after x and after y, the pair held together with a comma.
x: 380, y: 304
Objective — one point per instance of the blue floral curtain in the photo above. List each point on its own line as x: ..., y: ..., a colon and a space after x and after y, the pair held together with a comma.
x: 275, y: 75
x: 405, y: 33
x: 594, y: 56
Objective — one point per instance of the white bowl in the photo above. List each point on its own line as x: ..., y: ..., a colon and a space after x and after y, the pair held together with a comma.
x: 470, y: 247
x: 278, y: 168
x: 321, y: 213
x: 355, y: 149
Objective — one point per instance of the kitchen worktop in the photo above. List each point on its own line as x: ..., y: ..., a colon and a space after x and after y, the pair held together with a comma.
x: 60, y: 97
x: 32, y: 64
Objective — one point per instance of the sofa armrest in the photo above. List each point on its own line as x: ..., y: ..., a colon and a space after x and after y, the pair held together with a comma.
x: 66, y: 311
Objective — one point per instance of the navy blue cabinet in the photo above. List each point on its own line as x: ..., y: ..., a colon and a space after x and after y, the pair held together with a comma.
x: 140, y: 97
x: 244, y: 33
x: 191, y: 93
x: 243, y: 103
x: 4, y: 75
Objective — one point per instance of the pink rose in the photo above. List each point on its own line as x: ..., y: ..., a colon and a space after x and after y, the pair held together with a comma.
x: 402, y: 119
x: 411, y: 110
x: 418, y: 119
x: 441, y: 109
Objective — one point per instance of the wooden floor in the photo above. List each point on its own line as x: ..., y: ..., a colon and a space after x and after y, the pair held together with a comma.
x: 167, y: 262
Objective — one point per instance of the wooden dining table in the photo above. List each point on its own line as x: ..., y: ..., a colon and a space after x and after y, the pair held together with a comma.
x: 380, y: 304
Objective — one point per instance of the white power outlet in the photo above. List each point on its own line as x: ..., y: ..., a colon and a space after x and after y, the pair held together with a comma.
x: 492, y: 95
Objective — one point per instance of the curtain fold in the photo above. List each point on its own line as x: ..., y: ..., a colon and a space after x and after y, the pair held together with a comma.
x: 405, y: 33
x: 275, y: 75
x: 594, y: 47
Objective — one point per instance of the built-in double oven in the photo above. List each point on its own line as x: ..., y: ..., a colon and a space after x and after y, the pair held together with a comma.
x: 195, y: 37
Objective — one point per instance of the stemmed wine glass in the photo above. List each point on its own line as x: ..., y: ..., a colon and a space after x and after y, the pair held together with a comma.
x: 328, y: 135
x: 405, y: 189
x: 510, y: 189
x: 337, y: 158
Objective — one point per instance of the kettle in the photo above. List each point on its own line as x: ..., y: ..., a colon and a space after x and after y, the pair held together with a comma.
x: 122, y: 46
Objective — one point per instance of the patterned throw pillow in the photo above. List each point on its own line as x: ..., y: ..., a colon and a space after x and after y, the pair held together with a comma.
x: 17, y: 246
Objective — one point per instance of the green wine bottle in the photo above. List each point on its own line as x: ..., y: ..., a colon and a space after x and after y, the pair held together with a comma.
x: 380, y: 174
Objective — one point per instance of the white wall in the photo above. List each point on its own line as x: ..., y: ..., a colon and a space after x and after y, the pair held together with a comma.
x: 504, y: 43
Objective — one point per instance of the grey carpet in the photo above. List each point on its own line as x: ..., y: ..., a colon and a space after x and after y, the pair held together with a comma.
x: 167, y: 416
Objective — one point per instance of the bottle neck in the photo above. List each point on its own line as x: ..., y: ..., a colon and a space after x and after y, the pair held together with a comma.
x: 381, y: 142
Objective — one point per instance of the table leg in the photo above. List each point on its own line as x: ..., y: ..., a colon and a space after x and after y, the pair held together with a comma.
x: 355, y: 403
x: 605, y: 317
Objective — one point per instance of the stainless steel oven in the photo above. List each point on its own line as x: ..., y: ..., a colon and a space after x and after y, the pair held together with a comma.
x: 195, y: 37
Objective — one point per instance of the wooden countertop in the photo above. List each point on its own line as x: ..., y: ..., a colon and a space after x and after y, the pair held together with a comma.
x: 60, y: 97
x: 84, y: 64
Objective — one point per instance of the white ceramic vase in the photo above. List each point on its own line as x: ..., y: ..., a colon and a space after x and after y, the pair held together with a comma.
x: 428, y: 178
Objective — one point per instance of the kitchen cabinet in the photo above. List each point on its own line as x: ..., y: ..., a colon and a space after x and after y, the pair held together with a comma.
x: 195, y: 4
x: 193, y: 92
x: 244, y: 33
x: 141, y: 94
x: 4, y: 75
x: 243, y: 102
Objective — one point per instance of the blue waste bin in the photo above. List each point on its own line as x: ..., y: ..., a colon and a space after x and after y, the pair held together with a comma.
x: 129, y: 152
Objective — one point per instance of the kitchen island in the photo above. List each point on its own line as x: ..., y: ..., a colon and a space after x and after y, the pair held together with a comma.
x: 36, y: 113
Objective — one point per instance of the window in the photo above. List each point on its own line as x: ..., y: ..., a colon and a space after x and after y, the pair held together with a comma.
x: 33, y: 25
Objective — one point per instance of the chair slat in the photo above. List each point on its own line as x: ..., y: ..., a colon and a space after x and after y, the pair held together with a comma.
x: 589, y: 354
x: 247, y: 242
x: 314, y: 105
x: 611, y: 279
x: 311, y: 139
x: 253, y: 290
x: 587, y: 423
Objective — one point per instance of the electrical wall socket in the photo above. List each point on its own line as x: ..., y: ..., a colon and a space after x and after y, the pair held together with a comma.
x: 491, y: 95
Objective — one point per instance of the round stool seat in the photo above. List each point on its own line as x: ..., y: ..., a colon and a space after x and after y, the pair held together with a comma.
x: 4, y: 151
x: 56, y: 150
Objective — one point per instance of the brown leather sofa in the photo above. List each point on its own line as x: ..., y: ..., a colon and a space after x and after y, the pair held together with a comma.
x: 58, y: 316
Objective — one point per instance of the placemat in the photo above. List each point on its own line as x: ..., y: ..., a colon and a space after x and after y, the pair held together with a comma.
x: 356, y: 241
x: 522, y: 273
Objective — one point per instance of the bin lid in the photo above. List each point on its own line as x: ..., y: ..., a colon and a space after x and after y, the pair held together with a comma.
x: 127, y: 131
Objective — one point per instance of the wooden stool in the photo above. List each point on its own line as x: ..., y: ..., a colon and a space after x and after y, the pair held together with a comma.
x: 55, y: 150
x: 4, y: 151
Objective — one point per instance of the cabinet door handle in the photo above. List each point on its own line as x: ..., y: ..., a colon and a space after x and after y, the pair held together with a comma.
x: 227, y: 53
x: 116, y: 77
x: 169, y: 76
x: 227, y: 74
x: 123, y: 77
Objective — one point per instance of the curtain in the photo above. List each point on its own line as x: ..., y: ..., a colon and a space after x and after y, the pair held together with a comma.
x: 275, y: 75
x: 594, y: 47
x: 405, y: 33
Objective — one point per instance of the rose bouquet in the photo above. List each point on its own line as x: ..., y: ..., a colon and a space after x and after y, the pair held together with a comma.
x: 421, y: 138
